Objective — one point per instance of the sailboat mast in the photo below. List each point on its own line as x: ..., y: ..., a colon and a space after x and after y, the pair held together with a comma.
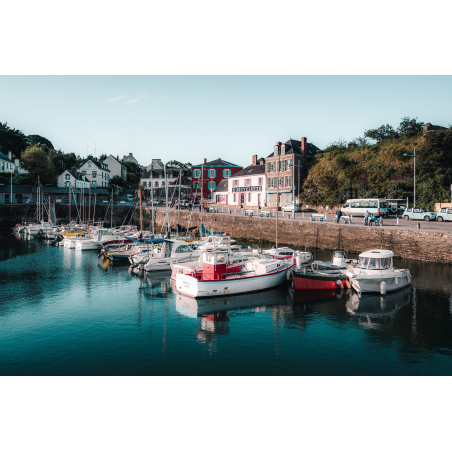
x: 202, y: 198
x: 178, y: 205
x: 69, y: 203
x: 166, y: 193
x: 141, y: 216
x: 111, y: 220
x: 89, y: 206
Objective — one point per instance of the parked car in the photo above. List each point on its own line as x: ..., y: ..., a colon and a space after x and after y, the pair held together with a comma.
x: 290, y: 207
x: 129, y: 197
x: 445, y: 214
x: 418, y: 213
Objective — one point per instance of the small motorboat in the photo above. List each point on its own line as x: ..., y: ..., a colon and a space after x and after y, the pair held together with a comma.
x: 285, y: 252
x: 375, y: 272
x: 339, y: 262
x: 308, y: 279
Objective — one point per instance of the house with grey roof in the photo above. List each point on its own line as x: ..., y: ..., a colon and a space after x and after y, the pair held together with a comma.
x: 116, y: 167
x: 96, y: 172
x: 6, y: 164
x: 72, y: 178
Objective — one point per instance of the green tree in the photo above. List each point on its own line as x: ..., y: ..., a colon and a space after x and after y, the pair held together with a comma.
x: 12, y: 140
x: 40, y: 141
x: 384, y: 132
x: 38, y: 163
x: 176, y: 164
x: 117, y: 180
x: 410, y: 127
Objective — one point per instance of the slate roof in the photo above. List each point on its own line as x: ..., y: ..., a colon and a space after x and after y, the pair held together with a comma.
x: 222, y: 186
x: 78, y: 176
x: 294, y: 147
x: 251, y: 170
x: 3, y: 157
x: 217, y: 163
x: 98, y: 164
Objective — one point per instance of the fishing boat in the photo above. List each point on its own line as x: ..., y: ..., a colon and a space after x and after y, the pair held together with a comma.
x: 339, y: 262
x: 375, y: 272
x: 308, y: 279
x: 215, y: 280
x: 95, y: 243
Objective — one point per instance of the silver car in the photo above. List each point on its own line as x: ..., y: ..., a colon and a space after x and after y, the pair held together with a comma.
x: 289, y: 208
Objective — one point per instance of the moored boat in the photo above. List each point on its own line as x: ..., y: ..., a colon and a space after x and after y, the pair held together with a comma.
x: 375, y: 272
x: 308, y: 279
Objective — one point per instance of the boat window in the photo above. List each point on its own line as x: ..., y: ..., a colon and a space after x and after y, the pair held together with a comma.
x: 183, y: 249
x: 386, y: 262
x: 220, y: 258
x: 168, y: 248
x: 338, y: 254
x: 363, y: 261
x: 374, y: 264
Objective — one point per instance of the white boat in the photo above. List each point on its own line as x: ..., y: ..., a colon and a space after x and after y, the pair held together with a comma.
x: 285, y: 252
x: 339, y: 262
x: 375, y: 272
x: 256, y: 275
x: 173, y: 251
x: 96, y: 242
x: 217, y: 241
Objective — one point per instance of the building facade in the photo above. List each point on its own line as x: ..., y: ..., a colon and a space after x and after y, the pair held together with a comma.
x: 130, y: 158
x: 6, y: 164
x: 247, y: 187
x: 285, y: 171
x: 72, y: 178
x: 208, y: 175
x: 96, y: 172
x: 116, y: 167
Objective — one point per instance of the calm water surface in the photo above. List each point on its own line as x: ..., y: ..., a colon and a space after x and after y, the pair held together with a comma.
x: 63, y: 313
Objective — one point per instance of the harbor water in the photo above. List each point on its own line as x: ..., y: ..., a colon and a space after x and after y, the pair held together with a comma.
x: 62, y: 312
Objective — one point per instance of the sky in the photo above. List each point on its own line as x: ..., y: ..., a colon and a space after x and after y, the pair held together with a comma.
x: 189, y: 118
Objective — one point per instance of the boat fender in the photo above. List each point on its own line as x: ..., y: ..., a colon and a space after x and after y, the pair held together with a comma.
x: 347, y: 284
x: 383, y: 288
x: 339, y: 284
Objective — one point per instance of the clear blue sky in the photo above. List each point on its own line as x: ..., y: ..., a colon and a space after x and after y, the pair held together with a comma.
x: 187, y: 118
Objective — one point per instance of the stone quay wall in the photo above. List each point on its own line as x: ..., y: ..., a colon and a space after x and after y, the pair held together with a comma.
x: 418, y: 245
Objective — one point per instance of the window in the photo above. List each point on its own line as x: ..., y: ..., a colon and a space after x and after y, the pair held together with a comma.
x: 196, y: 185
x: 283, y: 149
x: 268, y: 182
x: 286, y: 197
x: 89, y: 164
x: 68, y: 176
x: 196, y: 173
x: 235, y: 197
x: 235, y: 183
x: 247, y: 182
x: 281, y: 181
x: 211, y: 185
x: 226, y: 173
x: 270, y: 198
x: 288, y: 181
x: 268, y: 167
x: 83, y: 173
x: 94, y: 174
x: 260, y: 180
x: 67, y: 184
x: 249, y: 197
x: 211, y: 173
x: 183, y: 249
x: 282, y: 165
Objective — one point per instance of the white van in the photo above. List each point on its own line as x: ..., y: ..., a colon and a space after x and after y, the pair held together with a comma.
x: 357, y: 207
x: 129, y: 197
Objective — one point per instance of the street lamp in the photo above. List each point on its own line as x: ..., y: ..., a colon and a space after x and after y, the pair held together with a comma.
x: 414, y: 156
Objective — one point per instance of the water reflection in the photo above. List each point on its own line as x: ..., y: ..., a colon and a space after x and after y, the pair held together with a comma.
x: 374, y: 310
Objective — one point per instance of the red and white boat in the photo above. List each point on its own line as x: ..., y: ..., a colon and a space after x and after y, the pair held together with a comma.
x: 216, y: 278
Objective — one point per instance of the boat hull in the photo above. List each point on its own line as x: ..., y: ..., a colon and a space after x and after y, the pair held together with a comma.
x: 318, y: 282
x: 372, y: 283
x: 195, y: 288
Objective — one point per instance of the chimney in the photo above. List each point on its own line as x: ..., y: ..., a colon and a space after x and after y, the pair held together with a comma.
x: 117, y: 158
x: 130, y: 154
x: 9, y: 155
x: 219, y: 161
x: 304, y: 146
x: 205, y: 161
x: 255, y: 160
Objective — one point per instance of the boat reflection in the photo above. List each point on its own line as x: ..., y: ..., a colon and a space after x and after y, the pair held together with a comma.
x: 313, y: 296
x: 374, y: 310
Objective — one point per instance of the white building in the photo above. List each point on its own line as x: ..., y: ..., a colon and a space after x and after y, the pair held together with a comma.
x: 72, y: 178
x: 96, y: 172
x: 156, y: 177
x: 6, y: 163
x: 155, y: 164
x: 245, y: 188
x: 116, y: 167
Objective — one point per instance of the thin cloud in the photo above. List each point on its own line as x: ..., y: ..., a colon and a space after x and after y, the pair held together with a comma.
x: 132, y: 101
x: 120, y: 97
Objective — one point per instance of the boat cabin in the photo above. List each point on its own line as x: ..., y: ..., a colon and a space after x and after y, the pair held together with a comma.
x: 375, y: 260
x: 174, y: 248
x: 214, y: 264
x: 339, y: 258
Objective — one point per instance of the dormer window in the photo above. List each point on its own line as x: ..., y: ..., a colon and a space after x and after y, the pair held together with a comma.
x: 283, y: 149
x: 89, y: 164
x: 276, y: 151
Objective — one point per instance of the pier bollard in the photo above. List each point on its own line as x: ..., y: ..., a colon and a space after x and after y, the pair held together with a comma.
x: 397, y: 220
x: 418, y: 225
x: 302, y: 214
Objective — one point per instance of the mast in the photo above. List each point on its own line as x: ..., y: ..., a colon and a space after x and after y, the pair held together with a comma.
x: 277, y: 196
x: 89, y: 206
x: 49, y: 210
x: 38, y: 210
x: 70, y: 203
x: 167, y: 207
x: 202, y: 189
x: 111, y: 220
x: 141, y: 215
x: 152, y: 205
x: 178, y: 206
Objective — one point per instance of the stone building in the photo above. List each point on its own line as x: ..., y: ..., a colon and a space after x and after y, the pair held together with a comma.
x: 285, y: 170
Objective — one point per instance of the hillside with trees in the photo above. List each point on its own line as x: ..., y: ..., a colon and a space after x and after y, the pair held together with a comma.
x: 359, y: 169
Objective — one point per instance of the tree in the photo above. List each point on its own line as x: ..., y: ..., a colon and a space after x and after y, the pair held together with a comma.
x: 361, y: 141
x: 384, y: 132
x: 12, y: 140
x: 103, y: 157
x: 40, y: 141
x: 176, y: 164
x: 119, y: 181
x: 132, y: 167
x: 36, y: 161
x: 410, y: 127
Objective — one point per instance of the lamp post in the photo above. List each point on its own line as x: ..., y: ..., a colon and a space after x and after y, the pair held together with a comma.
x: 414, y: 156
x: 293, y: 165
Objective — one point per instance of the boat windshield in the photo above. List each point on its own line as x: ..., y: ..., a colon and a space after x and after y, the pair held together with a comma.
x: 375, y: 264
x: 363, y: 261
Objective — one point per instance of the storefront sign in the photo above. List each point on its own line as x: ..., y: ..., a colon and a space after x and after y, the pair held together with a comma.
x: 250, y: 188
